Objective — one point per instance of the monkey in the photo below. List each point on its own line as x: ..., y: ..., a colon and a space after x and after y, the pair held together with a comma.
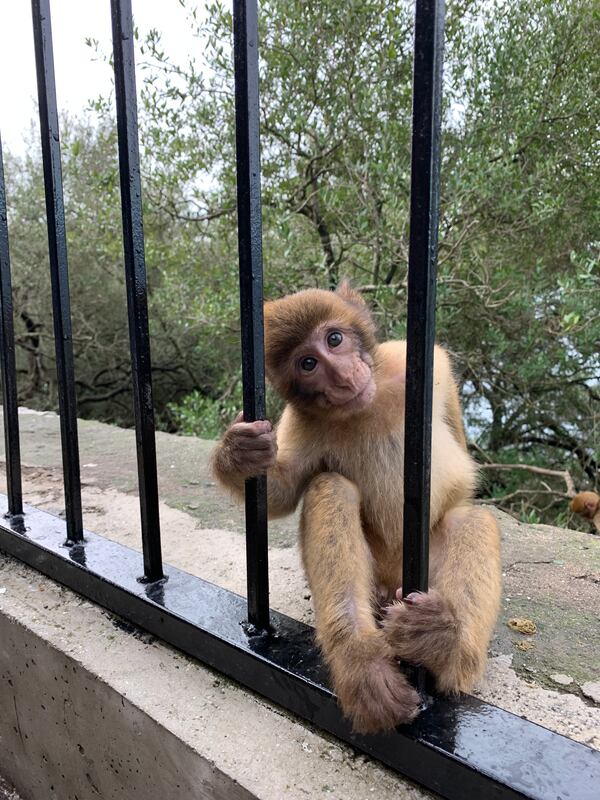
x: 339, y: 446
x: 588, y: 505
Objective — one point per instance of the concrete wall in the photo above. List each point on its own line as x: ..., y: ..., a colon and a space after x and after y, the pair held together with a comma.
x: 93, y: 708
x: 67, y: 735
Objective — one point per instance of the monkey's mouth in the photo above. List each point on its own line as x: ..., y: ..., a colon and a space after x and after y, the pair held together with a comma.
x: 356, y: 402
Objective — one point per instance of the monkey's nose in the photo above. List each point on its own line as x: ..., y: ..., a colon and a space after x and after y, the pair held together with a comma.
x: 342, y: 381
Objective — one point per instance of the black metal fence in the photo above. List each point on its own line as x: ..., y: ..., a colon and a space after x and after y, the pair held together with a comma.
x: 460, y: 748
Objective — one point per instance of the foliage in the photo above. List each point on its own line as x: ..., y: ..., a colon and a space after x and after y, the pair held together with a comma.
x: 519, y: 273
x: 199, y: 415
x: 182, y: 338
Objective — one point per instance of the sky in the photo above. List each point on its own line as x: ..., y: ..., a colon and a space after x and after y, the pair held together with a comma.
x: 78, y: 77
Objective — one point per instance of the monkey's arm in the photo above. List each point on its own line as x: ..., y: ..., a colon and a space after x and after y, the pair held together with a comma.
x: 454, y: 416
x: 446, y: 400
x: 250, y: 449
x: 339, y: 566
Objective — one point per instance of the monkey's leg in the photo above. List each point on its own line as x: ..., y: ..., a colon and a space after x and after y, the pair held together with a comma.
x: 448, y: 629
x: 372, y: 691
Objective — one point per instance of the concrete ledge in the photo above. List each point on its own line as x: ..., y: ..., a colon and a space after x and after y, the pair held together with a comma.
x: 181, y: 720
x: 92, y: 708
x: 67, y: 734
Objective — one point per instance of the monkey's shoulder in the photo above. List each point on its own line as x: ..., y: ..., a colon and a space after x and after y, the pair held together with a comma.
x: 392, y: 353
x: 392, y: 357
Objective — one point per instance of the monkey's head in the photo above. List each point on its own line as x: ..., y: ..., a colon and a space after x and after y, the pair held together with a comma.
x: 585, y: 503
x: 319, y: 350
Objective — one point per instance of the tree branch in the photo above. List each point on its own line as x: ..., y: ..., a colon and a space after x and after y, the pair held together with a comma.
x: 565, y: 475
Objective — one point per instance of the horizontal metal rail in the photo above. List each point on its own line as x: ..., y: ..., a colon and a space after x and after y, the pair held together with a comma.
x: 463, y: 749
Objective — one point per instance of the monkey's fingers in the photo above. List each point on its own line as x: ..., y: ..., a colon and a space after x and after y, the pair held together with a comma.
x: 256, y: 464
x: 256, y: 428
x: 263, y: 442
x: 377, y: 697
x: 422, y: 629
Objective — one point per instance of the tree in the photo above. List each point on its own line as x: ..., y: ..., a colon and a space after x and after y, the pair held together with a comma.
x: 518, y: 263
x: 519, y: 273
x: 182, y: 359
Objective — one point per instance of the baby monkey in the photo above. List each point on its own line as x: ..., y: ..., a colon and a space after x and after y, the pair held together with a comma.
x: 339, y: 445
x: 588, y: 505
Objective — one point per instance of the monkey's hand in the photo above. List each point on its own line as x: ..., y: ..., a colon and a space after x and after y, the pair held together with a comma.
x: 246, y: 450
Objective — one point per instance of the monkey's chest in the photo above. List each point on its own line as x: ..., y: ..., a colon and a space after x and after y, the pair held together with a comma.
x: 376, y: 468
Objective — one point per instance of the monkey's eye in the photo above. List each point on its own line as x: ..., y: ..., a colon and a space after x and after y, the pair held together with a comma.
x: 334, y: 339
x: 308, y: 364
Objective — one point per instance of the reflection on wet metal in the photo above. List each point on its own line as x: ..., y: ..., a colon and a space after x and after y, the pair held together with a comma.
x: 463, y: 749
x: 156, y: 591
x: 16, y: 522
x: 77, y: 554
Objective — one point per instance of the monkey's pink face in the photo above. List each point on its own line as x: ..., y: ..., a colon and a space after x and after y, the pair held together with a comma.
x: 331, y: 370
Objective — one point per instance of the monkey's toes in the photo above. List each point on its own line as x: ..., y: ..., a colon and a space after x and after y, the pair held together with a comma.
x: 377, y: 697
x: 422, y: 628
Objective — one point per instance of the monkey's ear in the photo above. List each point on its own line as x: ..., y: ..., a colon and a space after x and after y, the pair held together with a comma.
x: 350, y: 295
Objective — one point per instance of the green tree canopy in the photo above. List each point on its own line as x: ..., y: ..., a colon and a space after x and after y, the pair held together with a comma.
x: 518, y: 264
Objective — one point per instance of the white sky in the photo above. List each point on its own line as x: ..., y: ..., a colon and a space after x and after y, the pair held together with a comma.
x: 78, y: 77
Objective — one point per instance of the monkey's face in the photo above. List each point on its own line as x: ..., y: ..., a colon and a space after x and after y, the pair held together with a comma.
x: 319, y: 351
x: 332, y: 372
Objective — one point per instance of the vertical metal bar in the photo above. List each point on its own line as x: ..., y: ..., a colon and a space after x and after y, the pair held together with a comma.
x: 245, y: 38
x: 427, y: 91
x: 135, y: 274
x: 57, y: 244
x: 8, y: 364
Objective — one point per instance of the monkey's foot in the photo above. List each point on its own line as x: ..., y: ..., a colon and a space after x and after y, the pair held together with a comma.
x: 422, y: 629
x: 375, y: 695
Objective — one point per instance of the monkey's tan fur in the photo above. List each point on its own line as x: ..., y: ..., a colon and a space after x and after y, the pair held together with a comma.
x: 588, y: 505
x: 350, y: 471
